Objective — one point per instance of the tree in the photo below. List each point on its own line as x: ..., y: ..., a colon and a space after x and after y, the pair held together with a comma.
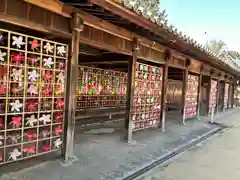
x: 216, y: 46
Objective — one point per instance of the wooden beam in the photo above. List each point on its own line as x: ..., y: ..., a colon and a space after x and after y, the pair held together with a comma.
x: 34, y: 26
x: 52, y: 5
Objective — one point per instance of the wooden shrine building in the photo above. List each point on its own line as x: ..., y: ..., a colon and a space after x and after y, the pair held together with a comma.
x: 70, y: 63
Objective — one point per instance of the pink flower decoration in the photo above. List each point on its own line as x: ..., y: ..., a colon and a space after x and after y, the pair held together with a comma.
x: 16, y: 121
x: 17, y: 58
x: 58, y: 130
x: 31, y: 135
x: 46, y: 148
x: 60, y: 103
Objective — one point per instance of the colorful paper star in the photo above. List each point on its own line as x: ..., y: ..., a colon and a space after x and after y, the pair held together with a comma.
x: 31, y: 135
x: 18, y: 58
x: 59, y: 116
x: 31, y: 107
x: 18, y: 41
x: 1, y: 123
x: 2, y: 55
x: 47, y: 76
x: 48, y: 62
x: 47, y: 91
x: 33, y: 75
x: 58, y: 130
x: 45, y: 118
x: 32, y: 90
x: 17, y: 75
x: 46, y: 148
x: 60, y: 103
x: 34, y: 44
x: 48, y: 48
x: 16, y: 121
x: 1, y: 140
x: 16, y: 106
x: 61, y: 77
x: 14, y: 154
x: 31, y: 120
x: 61, y: 50
x: 57, y: 143
x: 31, y: 149
x: 2, y: 90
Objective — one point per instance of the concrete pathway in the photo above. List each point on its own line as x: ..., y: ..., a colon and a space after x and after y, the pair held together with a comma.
x: 107, y: 157
x: 218, y: 158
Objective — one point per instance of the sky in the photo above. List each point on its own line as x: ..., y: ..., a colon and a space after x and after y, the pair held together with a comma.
x: 220, y: 19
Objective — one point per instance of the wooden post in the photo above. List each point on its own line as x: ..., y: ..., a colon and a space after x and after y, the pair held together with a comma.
x: 199, y: 95
x: 217, y: 98
x: 164, y: 96
x: 233, y: 92
x: 208, y: 95
x: 185, y: 81
x: 131, y: 86
x: 77, y: 27
x: 223, y: 104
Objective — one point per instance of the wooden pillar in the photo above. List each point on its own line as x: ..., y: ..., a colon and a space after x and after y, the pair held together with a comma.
x: 199, y: 95
x: 77, y: 27
x: 229, y: 94
x: 164, y: 97
x: 218, y: 98
x: 131, y: 86
x: 223, y: 103
x: 208, y: 95
x: 184, y: 94
x: 233, y: 92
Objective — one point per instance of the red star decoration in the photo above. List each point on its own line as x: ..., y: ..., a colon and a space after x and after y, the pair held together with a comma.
x: 47, y: 91
x: 59, y: 116
x: 16, y: 121
x: 1, y: 123
x: 30, y: 135
x: 47, y: 76
x: 17, y: 58
x: 2, y: 71
x: 34, y: 44
x: 58, y: 130
x: 30, y: 149
x: 32, y: 106
x: 2, y: 90
x: 60, y: 103
x: 45, y: 148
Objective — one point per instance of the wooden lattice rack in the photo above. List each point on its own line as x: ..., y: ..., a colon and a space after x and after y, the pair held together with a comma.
x: 101, y: 88
x: 191, y: 96
x: 32, y: 76
x: 213, y: 95
x: 226, y: 94
x: 146, y: 108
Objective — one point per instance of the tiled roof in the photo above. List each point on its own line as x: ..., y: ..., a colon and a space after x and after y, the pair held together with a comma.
x: 137, y: 8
